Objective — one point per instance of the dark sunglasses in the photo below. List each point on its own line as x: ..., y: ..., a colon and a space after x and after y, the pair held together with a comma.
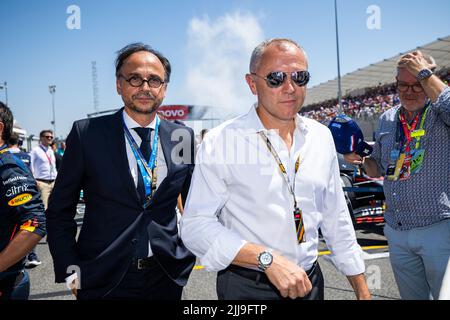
x: 48, y: 137
x: 276, y: 79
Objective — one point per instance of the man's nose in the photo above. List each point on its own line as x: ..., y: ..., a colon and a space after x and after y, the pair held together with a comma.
x: 145, y: 86
x: 288, y: 85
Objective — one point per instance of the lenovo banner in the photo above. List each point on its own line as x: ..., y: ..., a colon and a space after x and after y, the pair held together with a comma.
x: 174, y: 112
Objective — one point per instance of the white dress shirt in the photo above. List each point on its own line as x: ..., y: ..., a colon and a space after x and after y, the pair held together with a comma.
x: 134, y: 170
x: 238, y: 195
x: 43, y: 163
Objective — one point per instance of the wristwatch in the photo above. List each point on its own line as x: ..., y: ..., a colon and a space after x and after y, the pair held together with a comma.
x: 265, y: 259
x: 423, y: 74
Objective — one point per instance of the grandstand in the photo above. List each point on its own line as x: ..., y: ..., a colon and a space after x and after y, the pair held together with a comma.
x: 369, y: 91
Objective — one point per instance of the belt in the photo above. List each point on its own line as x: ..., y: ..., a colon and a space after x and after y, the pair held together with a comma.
x: 143, y: 263
x: 258, y: 276
x: 46, y: 181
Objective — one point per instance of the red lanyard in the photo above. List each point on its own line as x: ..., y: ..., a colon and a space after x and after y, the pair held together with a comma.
x: 408, y: 129
x: 48, y: 157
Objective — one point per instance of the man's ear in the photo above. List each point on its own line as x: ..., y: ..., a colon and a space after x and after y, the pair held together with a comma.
x: 118, y: 86
x: 164, y: 87
x: 251, y: 83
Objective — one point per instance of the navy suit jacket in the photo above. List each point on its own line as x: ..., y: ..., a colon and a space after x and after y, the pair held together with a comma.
x: 95, y: 161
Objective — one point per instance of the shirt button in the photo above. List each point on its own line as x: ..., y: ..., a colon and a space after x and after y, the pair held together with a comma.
x: 134, y: 241
x: 394, y: 194
x: 399, y: 224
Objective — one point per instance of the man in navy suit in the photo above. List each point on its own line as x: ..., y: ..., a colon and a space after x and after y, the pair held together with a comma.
x: 131, y: 166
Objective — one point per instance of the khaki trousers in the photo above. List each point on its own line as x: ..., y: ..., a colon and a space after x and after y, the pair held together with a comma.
x: 45, y: 189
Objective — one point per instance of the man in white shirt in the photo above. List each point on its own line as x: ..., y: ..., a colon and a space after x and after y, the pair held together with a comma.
x: 43, y: 165
x: 264, y: 183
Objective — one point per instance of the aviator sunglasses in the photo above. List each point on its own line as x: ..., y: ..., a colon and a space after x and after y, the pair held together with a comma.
x: 276, y: 79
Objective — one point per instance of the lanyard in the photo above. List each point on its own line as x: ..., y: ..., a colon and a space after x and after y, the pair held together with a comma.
x: 147, y: 170
x: 46, y: 154
x: 298, y: 216
x: 422, y: 121
x: 407, y: 129
x: 281, y: 166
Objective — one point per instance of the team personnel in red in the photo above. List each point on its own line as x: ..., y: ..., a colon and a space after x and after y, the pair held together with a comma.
x: 22, y: 219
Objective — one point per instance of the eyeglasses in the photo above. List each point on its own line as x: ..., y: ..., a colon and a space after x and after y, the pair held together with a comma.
x: 48, y: 137
x: 276, y: 79
x: 416, y: 87
x: 152, y: 81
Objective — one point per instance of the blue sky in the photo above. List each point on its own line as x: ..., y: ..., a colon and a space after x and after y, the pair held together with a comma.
x: 208, y: 43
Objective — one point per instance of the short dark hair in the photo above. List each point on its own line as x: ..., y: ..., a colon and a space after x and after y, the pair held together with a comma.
x: 128, y: 50
x: 6, y: 117
x: 44, y: 132
x: 14, y: 139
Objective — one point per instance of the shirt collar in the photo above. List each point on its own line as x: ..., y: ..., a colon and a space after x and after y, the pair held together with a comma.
x: 130, y: 123
x: 14, y: 150
x: 44, y: 147
x: 254, y: 124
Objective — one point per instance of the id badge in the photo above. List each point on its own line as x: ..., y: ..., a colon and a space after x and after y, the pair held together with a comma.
x: 405, y: 172
x: 299, y: 225
x: 417, y: 160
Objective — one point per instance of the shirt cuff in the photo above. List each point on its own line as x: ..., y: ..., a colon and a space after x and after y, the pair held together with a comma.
x: 70, y: 279
x: 350, y: 263
x: 222, y: 252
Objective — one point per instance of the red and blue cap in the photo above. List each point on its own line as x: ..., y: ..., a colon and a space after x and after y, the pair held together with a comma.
x: 348, y: 137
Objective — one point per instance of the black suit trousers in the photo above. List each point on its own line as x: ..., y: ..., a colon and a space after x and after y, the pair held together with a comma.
x: 237, y: 283
x: 151, y: 283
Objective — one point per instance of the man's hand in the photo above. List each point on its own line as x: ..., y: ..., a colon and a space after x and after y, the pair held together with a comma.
x: 291, y: 280
x: 369, y: 164
x: 353, y: 158
x: 414, y: 62
x: 74, y: 286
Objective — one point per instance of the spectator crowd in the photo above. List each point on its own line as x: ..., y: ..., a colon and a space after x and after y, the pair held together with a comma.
x: 371, y: 105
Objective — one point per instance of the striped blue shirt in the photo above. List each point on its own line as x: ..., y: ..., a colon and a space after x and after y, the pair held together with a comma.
x: 424, y: 198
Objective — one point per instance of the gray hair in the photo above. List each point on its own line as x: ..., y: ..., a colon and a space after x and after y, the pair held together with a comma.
x: 259, y: 50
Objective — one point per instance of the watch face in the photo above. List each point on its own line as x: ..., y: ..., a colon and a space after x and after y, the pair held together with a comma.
x: 265, y: 258
x: 424, y: 73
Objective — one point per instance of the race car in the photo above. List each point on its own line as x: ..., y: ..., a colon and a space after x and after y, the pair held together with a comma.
x: 364, y: 195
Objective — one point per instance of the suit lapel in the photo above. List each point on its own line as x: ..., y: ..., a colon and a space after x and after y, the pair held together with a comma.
x: 116, y: 141
x: 167, y: 145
